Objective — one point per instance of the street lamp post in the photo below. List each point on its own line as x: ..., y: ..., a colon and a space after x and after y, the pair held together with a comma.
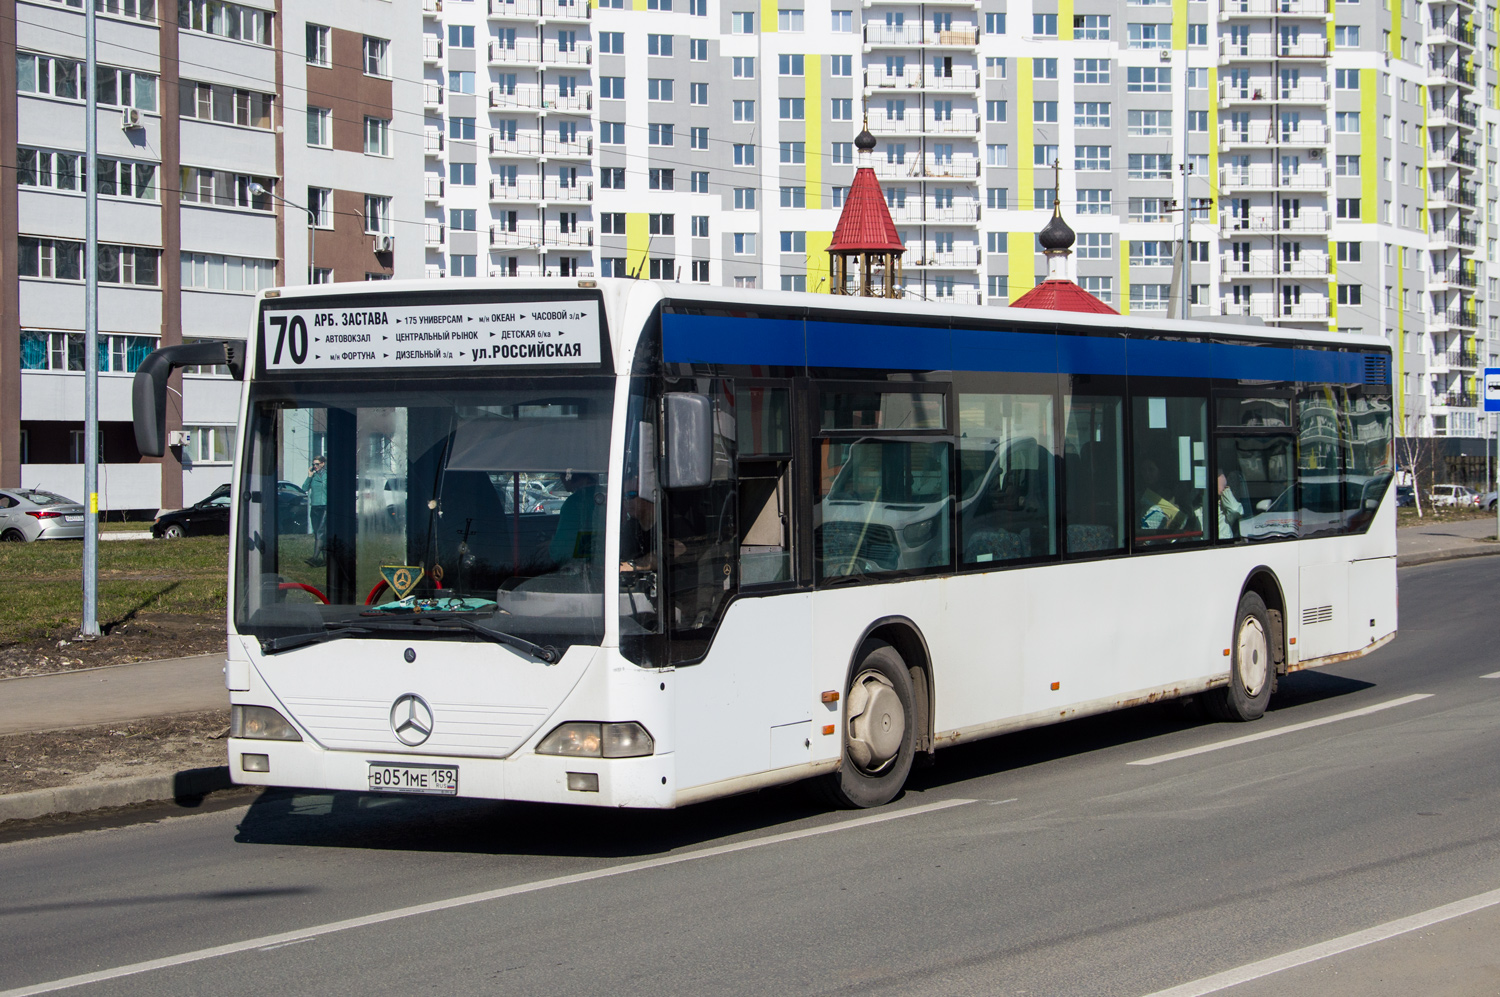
x: 312, y: 228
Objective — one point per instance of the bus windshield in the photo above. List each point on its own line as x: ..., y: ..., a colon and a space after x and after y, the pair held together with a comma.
x: 482, y: 497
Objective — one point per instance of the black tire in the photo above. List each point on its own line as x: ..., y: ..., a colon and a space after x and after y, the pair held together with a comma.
x: 1252, y: 668
x: 877, y: 757
x: 13, y: 537
x: 173, y: 532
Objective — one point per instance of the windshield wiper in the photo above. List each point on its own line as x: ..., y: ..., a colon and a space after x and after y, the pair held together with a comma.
x: 335, y: 631
x: 448, y: 620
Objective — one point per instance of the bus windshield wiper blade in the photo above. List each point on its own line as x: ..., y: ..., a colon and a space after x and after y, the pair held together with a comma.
x: 546, y: 654
x: 333, y: 632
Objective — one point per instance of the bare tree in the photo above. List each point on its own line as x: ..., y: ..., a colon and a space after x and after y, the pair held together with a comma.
x: 1415, y: 451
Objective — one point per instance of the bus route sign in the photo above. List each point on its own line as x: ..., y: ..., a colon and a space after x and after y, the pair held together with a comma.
x: 512, y: 333
x: 1492, y: 389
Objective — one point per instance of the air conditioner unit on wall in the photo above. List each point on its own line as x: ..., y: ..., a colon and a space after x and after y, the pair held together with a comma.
x: 1166, y: 55
x: 130, y: 117
x: 385, y: 244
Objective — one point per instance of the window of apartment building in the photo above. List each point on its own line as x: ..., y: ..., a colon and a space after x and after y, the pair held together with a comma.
x: 744, y: 154
x: 319, y: 45
x: 794, y: 242
x: 788, y: 20
x: 1197, y: 78
x: 997, y: 198
x: 463, y: 219
x: 1044, y: 155
x: 997, y: 155
x: 698, y: 49
x: 659, y: 179
x: 662, y: 224
x: 461, y: 128
x: 700, y: 271
x: 1346, y: 79
x: 994, y: 24
x: 742, y: 22
x: 1148, y: 79
x: 1148, y: 209
x: 1095, y: 246
x: 659, y: 89
x: 1197, y: 34
x: 377, y: 136
x: 612, y: 223
x: 54, y: 77
x: 210, y: 444
x: 842, y: 153
x: 792, y: 108
x: 841, y: 109
x: 744, y: 243
x: 377, y: 56
x: 462, y: 174
x: 839, y: 195
x: 742, y: 67
x: 995, y: 111
x: 377, y: 214
x: 1091, y: 158
x: 1348, y: 294
x: 1044, y: 25
x: 843, y: 22
x: 794, y: 282
x: 612, y: 132
x: 700, y: 226
x: 743, y: 110
x: 698, y: 94
x: 744, y: 199
x: 658, y: 4
x: 126, y: 88
x: 225, y: 189
x: 460, y: 36
x: 118, y: 353
x: 1145, y: 124
x: 1346, y: 36
x: 1347, y: 207
x: 1346, y: 122
x: 65, y: 171
x: 1147, y: 36
x: 793, y: 197
x: 213, y: 272
x: 995, y: 67
x: 226, y: 105
x: 1091, y: 114
x: 320, y: 207
x: 612, y: 43
x: 1150, y: 253
x: 1091, y: 27
x: 460, y: 81
x: 1197, y: 121
x: 1044, y: 111
x: 663, y: 267
x: 1093, y: 201
x: 613, y: 266
x: 660, y: 45
x: 1346, y: 166
x: 794, y: 153
x: 658, y: 134
x: 1044, y: 69
x: 62, y: 259
x: 1091, y: 71
x: 1149, y: 297
x: 142, y: 10
x: 789, y: 65
x: 463, y: 265
x: 1102, y: 288
x: 698, y: 139
x: 228, y: 20
x: 698, y: 182
x: 319, y: 127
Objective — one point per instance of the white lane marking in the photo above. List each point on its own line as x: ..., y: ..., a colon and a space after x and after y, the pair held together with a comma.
x: 1336, y: 946
x: 1262, y: 735
x: 1491, y: 675
x: 304, y: 934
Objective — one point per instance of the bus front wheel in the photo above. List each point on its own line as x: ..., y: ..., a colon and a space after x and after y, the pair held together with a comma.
x: 879, y: 730
x: 1252, y: 672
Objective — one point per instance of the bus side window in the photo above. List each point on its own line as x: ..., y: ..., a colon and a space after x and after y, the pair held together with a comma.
x: 1094, y: 473
x: 1170, y: 459
x: 763, y: 425
x: 1007, y: 488
x: 1319, y: 473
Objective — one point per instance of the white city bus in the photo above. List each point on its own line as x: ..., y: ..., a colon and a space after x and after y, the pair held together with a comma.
x: 637, y: 544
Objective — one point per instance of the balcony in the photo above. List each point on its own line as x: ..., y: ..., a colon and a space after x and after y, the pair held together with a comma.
x: 578, y: 235
x: 525, y: 235
x: 556, y: 191
x: 1267, y: 176
x: 516, y: 52
x: 524, y: 95
x: 953, y: 123
x: 1462, y: 358
x: 913, y: 35
x: 527, y: 10
x: 523, y: 189
x: 1462, y: 318
x: 432, y: 187
x: 1269, y: 264
x: 1267, y: 46
x: 1268, y: 221
x: 956, y: 167
x: 1230, y: 9
x: 905, y: 78
x: 554, y: 54
x: 571, y: 99
x: 1449, y: 31
x: 1458, y: 399
x: 519, y: 272
x: 567, y: 10
x: 947, y: 294
x: 1268, y: 133
x: 1268, y: 308
x: 1266, y: 89
x: 1309, y: 309
x: 432, y: 8
x: 432, y: 141
x: 1451, y: 70
x: 432, y: 49
x: 1459, y: 235
x: 930, y: 256
x: 962, y: 78
x: 963, y: 211
x: 432, y: 95
x: 555, y: 148
x: 435, y: 234
x: 526, y: 145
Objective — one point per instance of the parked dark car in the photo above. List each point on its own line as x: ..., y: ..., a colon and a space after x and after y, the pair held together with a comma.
x: 1406, y: 495
x: 210, y: 517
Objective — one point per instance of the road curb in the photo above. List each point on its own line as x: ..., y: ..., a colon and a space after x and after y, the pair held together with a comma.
x: 1451, y: 554
x: 115, y: 793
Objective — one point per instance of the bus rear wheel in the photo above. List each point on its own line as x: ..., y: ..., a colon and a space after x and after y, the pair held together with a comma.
x: 879, y: 730
x: 1252, y: 673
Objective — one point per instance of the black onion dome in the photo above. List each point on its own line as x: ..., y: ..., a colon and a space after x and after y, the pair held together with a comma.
x: 864, y: 141
x: 1056, y: 235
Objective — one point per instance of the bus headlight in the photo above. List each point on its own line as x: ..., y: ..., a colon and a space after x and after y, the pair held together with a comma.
x: 261, y: 723
x: 592, y: 740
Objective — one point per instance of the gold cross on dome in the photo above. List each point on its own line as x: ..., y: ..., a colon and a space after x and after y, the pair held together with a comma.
x: 1056, y: 182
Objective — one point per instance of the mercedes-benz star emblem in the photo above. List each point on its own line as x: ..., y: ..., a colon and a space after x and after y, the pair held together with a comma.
x: 411, y: 719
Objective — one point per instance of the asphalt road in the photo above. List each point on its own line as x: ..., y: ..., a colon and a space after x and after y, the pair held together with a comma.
x: 1039, y: 863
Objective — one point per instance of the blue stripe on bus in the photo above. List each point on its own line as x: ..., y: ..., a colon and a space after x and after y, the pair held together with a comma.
x: 794, y: 343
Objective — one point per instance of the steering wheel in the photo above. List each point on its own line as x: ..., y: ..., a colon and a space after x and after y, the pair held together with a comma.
x: 284, y: 586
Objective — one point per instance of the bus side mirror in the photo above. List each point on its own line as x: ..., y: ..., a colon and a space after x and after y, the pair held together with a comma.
x: 148, y: 392
x: 690, y: 440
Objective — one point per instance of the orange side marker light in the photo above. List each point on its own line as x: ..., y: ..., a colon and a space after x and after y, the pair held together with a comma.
x: 828, y: 728
x: 830, y: 696
x: 1056, y: 686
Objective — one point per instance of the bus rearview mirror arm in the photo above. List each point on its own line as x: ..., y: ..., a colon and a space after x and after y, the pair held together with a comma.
x: 148, y: 392
x: 689, y: 434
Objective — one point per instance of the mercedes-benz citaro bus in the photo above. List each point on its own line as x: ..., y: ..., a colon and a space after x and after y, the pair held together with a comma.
x: 641, y: 544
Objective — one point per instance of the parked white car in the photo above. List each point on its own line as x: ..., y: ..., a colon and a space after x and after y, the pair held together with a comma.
x: 1454, y: 495
x: 32, y: 514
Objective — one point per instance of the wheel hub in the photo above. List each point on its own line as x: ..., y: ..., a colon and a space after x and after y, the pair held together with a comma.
x: 877, y: 722
x: 1254, y: 656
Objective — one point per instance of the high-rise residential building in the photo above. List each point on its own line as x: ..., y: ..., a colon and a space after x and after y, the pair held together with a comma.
x: 1334, y: 159
x: 221, y: 127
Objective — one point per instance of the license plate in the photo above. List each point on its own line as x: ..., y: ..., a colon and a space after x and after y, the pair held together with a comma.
x: 72, y: 519
x: 429, y: 780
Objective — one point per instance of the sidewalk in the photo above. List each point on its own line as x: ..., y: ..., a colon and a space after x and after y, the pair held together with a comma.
x: 114, y: 693
x: 1445, y: 541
